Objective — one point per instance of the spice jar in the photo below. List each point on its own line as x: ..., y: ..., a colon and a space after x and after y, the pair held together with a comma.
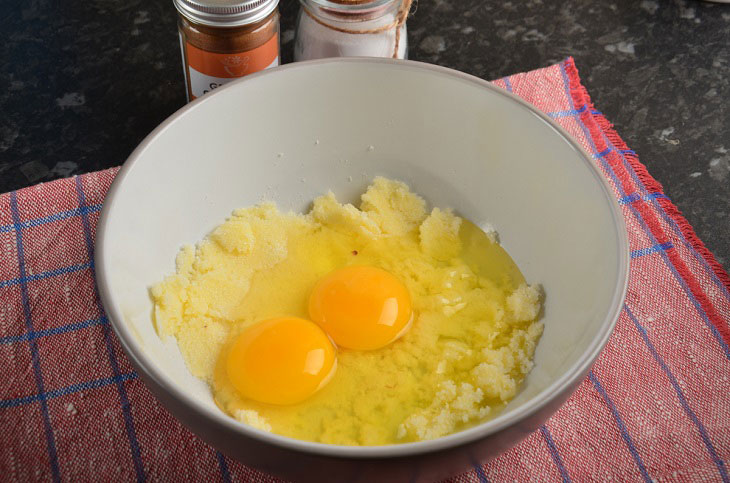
x: 351, y: 28
x: 221, y: 40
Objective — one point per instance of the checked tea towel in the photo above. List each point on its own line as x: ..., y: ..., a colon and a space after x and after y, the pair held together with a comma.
x: 656, y: 405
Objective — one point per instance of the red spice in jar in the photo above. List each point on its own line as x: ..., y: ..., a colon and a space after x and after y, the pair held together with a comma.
x: 222, y: 40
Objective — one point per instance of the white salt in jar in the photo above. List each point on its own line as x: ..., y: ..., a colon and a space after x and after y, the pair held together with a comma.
x: 352, y: 28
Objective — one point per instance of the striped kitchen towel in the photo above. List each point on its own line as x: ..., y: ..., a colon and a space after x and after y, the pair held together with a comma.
x: 656, y: 405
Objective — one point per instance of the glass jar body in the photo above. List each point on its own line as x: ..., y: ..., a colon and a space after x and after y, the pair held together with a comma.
x: 330, y: 29
x: 214, y: 55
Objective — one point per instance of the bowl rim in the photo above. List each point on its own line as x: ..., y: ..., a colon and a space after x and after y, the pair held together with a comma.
x: 543, y: 399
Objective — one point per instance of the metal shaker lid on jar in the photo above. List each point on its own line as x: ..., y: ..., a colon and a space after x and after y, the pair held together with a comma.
x: 221, y: 40
x: 225, y: 13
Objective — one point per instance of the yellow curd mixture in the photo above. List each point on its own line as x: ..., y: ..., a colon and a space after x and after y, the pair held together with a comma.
x: 468, y: 349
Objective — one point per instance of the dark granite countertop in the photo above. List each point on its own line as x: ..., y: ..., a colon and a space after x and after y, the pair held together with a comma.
x: 82, y: 84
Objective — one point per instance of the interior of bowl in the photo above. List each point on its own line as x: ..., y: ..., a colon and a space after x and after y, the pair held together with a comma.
x: 295, y: 133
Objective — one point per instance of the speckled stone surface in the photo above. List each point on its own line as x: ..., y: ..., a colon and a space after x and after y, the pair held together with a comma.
x: 83, y: 83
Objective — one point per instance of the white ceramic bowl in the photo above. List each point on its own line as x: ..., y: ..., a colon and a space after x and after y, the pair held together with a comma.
x: 284, y: 135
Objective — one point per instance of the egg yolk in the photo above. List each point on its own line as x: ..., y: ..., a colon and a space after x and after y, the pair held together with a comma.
x: 361, y: 307
x: 281, y: 361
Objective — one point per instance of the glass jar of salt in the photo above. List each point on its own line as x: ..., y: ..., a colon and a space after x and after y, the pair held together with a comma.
x: 352, y: 28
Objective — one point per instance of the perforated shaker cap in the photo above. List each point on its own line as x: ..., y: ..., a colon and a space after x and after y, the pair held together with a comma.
x: 225, y: 13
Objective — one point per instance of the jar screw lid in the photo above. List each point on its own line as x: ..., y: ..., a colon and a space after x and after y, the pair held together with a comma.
x: 225, y: 13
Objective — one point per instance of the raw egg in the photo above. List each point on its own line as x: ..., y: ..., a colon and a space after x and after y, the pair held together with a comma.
x: 281, y: 361
x: 361, y: 307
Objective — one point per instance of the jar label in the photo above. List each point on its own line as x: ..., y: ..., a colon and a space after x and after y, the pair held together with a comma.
x: 208, y: 70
